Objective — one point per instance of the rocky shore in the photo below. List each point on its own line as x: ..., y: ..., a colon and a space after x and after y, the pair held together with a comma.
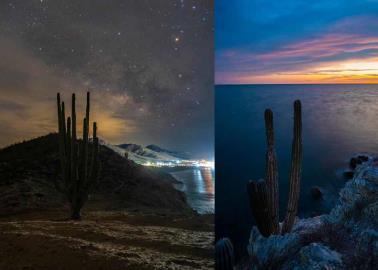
x: 346, y: 238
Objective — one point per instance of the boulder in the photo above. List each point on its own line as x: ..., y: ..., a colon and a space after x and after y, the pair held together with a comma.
x: 270, y: 252
x: 363, y: 158
x: 315, y: 256
x: 316, y: 192
x: 348, y: 175
x: 354, y: 161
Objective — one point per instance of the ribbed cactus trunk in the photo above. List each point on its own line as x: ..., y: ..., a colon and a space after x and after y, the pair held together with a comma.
x: 224, y: 255
x: 74, y: 157
x: 75, y: 211
x: 295, y: 172
x: 271, y: 176
x: 259, y: 203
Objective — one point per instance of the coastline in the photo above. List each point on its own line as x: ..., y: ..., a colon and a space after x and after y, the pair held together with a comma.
x: 198, y: 187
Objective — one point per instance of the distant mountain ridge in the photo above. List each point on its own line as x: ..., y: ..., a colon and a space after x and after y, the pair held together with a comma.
x: 181, y: 155
x: 152, y: 151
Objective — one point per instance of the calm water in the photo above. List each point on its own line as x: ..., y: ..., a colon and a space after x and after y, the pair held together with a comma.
x: 198, y: 185
x: 338, y: 121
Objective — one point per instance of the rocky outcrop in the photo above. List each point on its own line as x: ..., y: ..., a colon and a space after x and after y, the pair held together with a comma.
x: 315, y: 256
x: 347, y: 238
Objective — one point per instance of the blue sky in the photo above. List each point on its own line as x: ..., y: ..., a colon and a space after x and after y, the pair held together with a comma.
x: 296, y: 41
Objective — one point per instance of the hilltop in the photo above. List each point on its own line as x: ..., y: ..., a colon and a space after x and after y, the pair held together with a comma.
x: 28, y: 171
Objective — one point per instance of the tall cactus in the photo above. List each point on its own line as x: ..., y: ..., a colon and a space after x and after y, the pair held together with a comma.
x: 74, y: 156
x: 264, y: 193
x: 271, y: 176
x: 295, y: 172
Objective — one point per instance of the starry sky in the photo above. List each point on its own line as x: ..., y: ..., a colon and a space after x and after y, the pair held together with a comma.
x: 295, y: 41
x: 147, y: 63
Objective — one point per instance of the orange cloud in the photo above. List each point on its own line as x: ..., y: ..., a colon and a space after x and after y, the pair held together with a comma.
x: 344, y: 71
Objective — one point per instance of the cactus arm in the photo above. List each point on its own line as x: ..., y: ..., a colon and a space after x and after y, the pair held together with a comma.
x: 57, y: 183
x: 257, y: 191
x: 84, y: 157
x: 74, y: 164
x: 94, y: 166
x: 74, y: 159
x: 68, y: 151
x: 87, y: 110
x: 59, y: 116
x: 60, y: 135
x: 271, y: 177
x: 85, y: 140
x: 295, y: 173
x: 63, y: 119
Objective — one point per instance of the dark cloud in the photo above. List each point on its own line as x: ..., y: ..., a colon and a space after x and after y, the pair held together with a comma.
x: 148, y: 63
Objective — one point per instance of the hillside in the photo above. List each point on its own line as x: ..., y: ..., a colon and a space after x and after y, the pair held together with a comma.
x: 135, y: 219
x: 28, y: 171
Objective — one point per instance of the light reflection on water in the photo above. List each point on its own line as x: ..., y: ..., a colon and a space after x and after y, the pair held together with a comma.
x: 198, y: 185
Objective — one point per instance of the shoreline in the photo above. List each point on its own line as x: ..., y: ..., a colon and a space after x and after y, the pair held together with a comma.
x: 191, y: 196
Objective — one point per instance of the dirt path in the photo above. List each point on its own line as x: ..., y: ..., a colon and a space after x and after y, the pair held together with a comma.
x: 106, y: 240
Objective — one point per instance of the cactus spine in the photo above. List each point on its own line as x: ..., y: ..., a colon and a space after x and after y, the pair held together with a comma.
x: 263, y: 194
x: 74, y: 157
x: 224, y: 255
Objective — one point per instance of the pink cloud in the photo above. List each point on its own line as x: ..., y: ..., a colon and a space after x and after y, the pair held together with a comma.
x: 323, y: 46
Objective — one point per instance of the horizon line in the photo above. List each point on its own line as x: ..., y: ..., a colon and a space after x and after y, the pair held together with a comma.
x: 220, y: 84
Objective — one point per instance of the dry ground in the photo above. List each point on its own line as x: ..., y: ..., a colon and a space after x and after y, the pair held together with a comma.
x: 105, y: 240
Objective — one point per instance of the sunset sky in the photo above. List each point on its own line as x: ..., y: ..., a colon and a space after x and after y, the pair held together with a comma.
x: 148, y: 65
x: 295, y: 41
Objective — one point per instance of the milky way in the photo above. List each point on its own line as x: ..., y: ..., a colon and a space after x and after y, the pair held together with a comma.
x: 147, y: 63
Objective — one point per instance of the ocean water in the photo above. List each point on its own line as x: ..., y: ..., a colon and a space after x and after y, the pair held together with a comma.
x: 338, y: 121
x: 198, y: 186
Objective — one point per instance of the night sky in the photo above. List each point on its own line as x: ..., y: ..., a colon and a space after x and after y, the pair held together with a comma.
x: 148, y: 64
x: 296, y: 41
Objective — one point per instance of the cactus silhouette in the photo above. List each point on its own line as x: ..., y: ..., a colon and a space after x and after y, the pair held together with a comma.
x: 224, y: 254
x: 295, y: 172
x: 263, y: 194
x: 79, y: 167
x: 271, y: 176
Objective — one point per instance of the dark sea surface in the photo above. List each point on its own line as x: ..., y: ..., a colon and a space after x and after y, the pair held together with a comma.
x: 338, y: 121
x: 198, y: 186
